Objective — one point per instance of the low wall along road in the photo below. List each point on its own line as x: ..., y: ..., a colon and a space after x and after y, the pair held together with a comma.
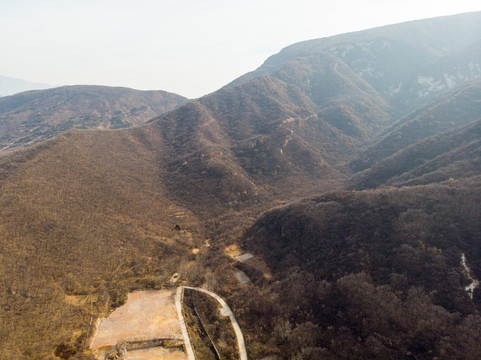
x: 150, y: 325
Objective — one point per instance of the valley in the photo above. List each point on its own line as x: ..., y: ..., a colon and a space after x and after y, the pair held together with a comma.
x: 331, y: 197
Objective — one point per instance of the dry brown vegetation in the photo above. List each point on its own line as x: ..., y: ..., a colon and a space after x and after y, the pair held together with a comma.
x: 374, y: 274
x: 89, y: 216
x: 30, y: 117
x: 452, y: 110
x: 211, y: 334
x: 83, y: 228
x: 96, y: 214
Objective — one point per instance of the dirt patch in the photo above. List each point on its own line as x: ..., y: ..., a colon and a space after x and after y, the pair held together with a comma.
x: 232, y: 251
x: 76, y: 300
x: 146, y: 315
x: 156, y: 354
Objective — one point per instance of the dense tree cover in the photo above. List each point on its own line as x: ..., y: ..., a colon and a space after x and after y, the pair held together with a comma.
x: 368, y: 275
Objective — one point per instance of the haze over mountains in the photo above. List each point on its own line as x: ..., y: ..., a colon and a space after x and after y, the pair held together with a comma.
x: 407, y: 64
x: 10, y: 86
x: 90, y: 215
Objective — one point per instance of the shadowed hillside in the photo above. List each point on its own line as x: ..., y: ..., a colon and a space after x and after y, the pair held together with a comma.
x: 30, y: 117
x: 238, y: 142
x: 368, y: 275
x: 341, y: 97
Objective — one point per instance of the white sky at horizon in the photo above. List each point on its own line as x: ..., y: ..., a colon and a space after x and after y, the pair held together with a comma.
x: 187, y: 47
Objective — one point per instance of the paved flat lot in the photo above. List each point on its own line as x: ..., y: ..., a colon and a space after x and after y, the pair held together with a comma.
x: 146, y: 315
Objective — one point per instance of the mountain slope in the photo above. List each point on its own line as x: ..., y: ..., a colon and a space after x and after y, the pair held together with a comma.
x: 369, y: 275
x: 341, y: 97
x: 90, y: 215
x: 337, y: 95
x: 84, y: 219
x: 34, y: 116
x: 407, y: 64
x: 10, y: 86
x: 454, y: 109
x: 453, y: 154
x: 237, y: 141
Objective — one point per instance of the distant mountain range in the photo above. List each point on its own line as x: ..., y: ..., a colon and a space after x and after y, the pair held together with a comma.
x: 348, y: 166
x: 30, y: 117
x: 10, y: 86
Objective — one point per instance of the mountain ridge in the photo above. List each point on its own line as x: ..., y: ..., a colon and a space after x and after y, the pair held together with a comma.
x: 36, y: 115
x: 370, y: 53
x: 441, y: 157
x: 456, y: 108
x: 260, y: 166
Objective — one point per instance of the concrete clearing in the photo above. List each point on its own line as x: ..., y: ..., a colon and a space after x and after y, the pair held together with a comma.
x: 150, y: 325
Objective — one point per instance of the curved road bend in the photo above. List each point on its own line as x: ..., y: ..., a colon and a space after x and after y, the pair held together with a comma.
x: 225, y: 309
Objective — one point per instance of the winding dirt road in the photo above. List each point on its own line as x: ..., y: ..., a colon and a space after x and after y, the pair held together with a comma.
x: 225, y: 311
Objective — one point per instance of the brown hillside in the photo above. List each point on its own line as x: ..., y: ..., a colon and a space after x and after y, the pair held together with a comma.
x: 451, y: 155
x: 30, y: 117
x: 452, y: 110
x: 368, y: 275
x: 90, y: 215
x: 88, y: 218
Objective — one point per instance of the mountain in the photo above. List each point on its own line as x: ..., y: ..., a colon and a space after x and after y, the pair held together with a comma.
x: 407, y: 64
x: 235, y: 142
x: 88, y: 216
x: 31, y: 117
x: 260, y: 166
x: 341, y: 96
x: 10, y: 86
x: 369, y: 275
x: 446, y: 156
x: 450, y: 110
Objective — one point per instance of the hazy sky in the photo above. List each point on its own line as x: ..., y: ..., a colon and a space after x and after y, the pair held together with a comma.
x: 190, y: 47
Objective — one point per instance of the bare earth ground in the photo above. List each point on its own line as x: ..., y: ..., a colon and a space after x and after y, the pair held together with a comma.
x: 156, y: 354
x: 146, y: 315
